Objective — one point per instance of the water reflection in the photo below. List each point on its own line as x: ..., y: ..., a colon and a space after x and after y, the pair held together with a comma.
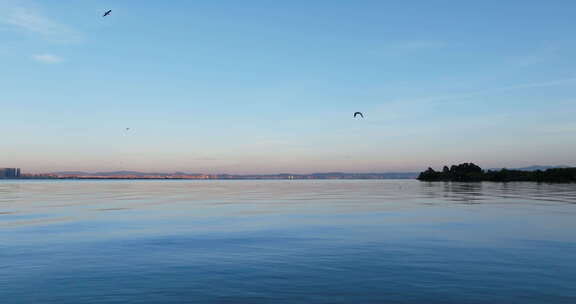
x: 469, y: 193
x: 286, y: 242
x: 81, y: 199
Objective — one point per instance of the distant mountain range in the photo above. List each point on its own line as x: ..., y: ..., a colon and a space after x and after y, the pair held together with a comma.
x: 121, y: 173
x: 322, y: 175
x: 329, y: 175
x: 534, y: 168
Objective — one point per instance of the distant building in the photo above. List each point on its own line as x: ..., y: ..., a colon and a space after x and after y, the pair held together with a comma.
x: 9, y: 172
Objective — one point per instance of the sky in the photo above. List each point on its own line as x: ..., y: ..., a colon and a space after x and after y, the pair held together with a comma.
x: 216, y: 86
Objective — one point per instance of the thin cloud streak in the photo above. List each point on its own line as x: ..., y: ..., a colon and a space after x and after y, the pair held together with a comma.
x: 418, y: 45
x: 17, y: 16
x: 401, y: 47
x: 403, y: 107
x: 48, y: 58
x: 541, y: 84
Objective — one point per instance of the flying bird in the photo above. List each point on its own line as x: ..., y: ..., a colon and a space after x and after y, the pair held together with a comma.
x: 127, y: 129
x: 358, y: 113
x: 107, y: 13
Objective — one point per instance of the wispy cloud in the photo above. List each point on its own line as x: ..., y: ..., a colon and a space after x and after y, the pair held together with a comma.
x: 47, y: 58
x: 529, y: 85
x: 418, y: 45
x: 401, y: 47
x: 16, y: 15
x: 543, y: 53
x: 540, y: 84
x: 403, y: 107
x: 568, y: 128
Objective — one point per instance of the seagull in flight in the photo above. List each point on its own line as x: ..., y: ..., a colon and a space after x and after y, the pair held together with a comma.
x: 107, y: 13
x: 358, y: 113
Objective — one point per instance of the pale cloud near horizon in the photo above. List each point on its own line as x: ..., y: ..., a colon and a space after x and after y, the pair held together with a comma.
x: 16, y: 14
x: 401, y: 108
x: 529, y: 85
x: 48, y: 58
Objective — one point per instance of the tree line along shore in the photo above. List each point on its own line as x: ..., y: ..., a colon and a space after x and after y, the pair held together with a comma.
x: 469, y: 172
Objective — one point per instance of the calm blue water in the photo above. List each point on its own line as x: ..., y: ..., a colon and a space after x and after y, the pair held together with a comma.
x: 286, y: 242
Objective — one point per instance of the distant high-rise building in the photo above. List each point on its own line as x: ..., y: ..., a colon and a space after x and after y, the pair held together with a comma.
x: 9, y: 172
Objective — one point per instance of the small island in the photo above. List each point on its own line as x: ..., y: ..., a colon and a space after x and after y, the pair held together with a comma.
x: 469, y: 172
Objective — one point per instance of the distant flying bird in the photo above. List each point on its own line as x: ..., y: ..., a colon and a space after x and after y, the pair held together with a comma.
x: 358, y: 113
x: 127, y: 129
x: 107, y: 13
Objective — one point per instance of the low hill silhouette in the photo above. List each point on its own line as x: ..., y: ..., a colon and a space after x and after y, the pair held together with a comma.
x: 469, y: 172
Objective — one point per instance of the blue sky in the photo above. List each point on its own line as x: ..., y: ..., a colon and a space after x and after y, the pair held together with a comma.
x: 271, y: 86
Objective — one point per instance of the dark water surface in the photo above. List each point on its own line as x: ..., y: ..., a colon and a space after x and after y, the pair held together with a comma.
x: 286, y: 242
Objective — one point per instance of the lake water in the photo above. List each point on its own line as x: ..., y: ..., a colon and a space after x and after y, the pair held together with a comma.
x: 382, y: 241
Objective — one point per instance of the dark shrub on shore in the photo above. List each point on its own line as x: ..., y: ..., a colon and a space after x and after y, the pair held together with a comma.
x: 469, y: 172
